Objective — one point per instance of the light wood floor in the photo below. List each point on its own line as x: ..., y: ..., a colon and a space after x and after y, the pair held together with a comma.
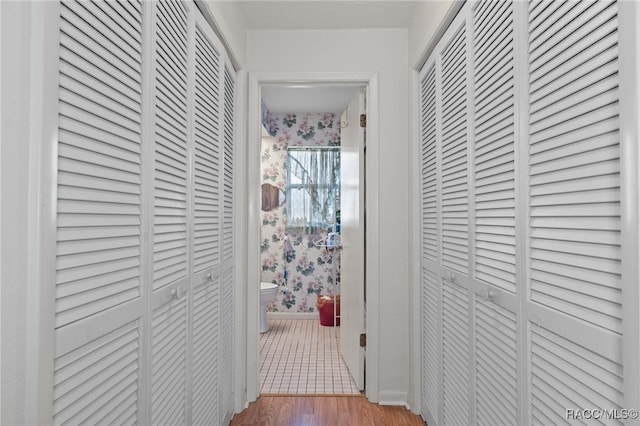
x: 308, y: 410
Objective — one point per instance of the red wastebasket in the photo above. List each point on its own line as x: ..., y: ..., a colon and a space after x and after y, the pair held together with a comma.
x: 325, y: 309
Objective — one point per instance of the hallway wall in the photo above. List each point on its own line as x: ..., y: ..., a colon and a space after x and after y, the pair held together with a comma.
x: 427, y: 19
x: 384, y: 52
x: 231, y: 28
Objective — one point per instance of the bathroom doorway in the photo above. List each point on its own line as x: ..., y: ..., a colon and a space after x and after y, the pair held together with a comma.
x: 256, y: 82
x: 312, y: 176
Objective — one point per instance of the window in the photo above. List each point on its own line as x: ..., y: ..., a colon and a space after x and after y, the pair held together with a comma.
x: 313, y: 187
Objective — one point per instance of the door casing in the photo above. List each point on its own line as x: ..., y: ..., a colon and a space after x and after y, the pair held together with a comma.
x: 249, y: 324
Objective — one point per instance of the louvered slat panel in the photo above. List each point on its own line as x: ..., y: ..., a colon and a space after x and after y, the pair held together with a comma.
x: 494, y: 144
x: 229, y: 88
x: 99, y: 157
x: 97, y: 383
x: 455, y: 355
x: 226, y: 292
x: 206, y: 344
x: 454, y: 202
x: 169, y: 363
x: 430, y: 343
x: 170, y: 189
x: 566, y: 375
x: 226, y: 345
x: 429, y: 187
x: 206, y: 156
x: 496, y: 365
x: 574, y: 162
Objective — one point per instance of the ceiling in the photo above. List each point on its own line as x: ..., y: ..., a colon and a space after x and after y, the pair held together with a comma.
x: 323, y: 14
x: 300, y: 98
x: 327, y: 14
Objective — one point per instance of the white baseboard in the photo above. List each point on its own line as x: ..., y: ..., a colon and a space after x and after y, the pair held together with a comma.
x: 393, y: 398
x: 293, y: 315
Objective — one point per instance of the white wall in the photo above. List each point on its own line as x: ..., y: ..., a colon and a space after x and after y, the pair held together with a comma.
x: 231, y: 28
x: 368, y: 51
x: 14, y: 155
x: 427, y: 18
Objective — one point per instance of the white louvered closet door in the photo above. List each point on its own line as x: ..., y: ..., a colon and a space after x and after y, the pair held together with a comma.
x: 99, y: 275
x: 454, y: 212
x: 171, y: 274
x: 207, y: 203
x: 430, y: 288
x: 520, y: 215
x: 495, y: 281
x: 144, y: 282
x: 575, y: 305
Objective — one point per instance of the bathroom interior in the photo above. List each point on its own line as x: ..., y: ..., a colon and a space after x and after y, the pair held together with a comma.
x: 300, y: 239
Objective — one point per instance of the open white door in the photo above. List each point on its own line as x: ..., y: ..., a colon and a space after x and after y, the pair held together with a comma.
x: 352, y: 283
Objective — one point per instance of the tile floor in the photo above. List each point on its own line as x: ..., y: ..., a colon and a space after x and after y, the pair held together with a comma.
x: 300, y: 356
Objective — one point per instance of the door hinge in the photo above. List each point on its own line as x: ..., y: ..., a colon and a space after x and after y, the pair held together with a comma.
x: 363, y: 120
x: 363, y: 340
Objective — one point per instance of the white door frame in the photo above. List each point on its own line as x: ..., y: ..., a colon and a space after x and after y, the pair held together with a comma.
x: 629, y: 66
x: 370, y: 80
x: 30, y: 58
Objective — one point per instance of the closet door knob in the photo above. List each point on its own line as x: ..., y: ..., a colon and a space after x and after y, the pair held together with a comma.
x: 487, y: 295
x: 177, y: 292
x: 451, y: 277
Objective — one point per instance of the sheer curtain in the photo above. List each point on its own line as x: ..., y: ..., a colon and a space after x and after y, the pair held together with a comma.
x: 313, y: 188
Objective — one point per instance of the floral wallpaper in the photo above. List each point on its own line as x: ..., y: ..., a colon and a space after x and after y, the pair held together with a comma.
x: 309, y: 269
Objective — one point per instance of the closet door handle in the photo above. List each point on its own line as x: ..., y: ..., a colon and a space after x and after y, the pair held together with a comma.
x: 177, y: 292
x: 450, y: 277
x: 487, y: 294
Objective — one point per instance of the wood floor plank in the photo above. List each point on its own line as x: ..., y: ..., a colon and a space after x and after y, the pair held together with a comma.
x: 304, y: 410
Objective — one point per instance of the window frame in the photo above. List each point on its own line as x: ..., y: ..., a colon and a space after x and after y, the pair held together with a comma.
x: 309, y: 228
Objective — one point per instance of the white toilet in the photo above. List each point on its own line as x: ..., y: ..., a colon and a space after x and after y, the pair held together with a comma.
x: 268, y: 293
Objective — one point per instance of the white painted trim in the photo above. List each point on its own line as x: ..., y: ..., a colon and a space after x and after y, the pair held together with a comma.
x: 42, y: 207
x: 29, y: 167
x: 372, y: 239
x: 521, y: 194
x: 1, y: 258
x: 252, y: 261
x: 393, y: 398
x: 293, y: 315
x: 240, y: 232
x: 629, y: 33
x: 252, y: 258
x: 415, y: 250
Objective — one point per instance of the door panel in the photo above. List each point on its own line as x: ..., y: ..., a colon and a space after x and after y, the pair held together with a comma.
x: 453, y: 154
x: 171, y: 165
x: 455, y: 354
x: 494, y: 152
x: 536, y: 327
x: 496, y: 364
x: 97, y: 383
x: 168, y: 365
x: 144, y: 280
x: 352, y: 233
x: 99, y: 260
